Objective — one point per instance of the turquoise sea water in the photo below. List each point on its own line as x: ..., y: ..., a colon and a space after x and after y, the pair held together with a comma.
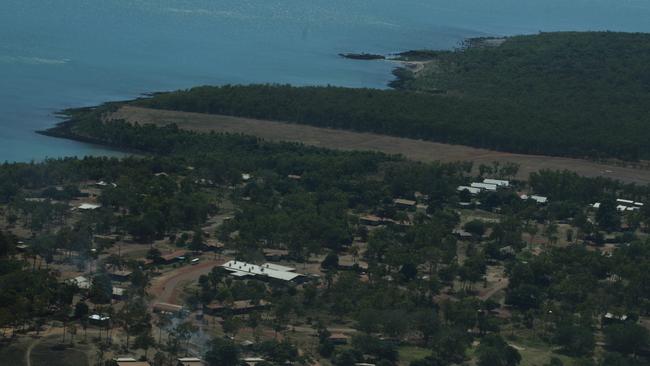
x: 70, y: 53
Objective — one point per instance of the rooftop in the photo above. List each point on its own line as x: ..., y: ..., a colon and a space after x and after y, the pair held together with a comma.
x: 242, y: 269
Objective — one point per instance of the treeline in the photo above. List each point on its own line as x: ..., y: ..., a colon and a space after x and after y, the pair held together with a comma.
x: 568, y: 94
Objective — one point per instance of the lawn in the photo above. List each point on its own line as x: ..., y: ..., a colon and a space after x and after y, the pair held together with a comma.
x: 407, y: 354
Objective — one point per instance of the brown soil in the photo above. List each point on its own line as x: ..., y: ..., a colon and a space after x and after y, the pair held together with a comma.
x: 168, y: 287
x: 347, y: 140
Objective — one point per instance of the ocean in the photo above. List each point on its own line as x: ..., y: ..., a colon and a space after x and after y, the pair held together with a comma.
x: 73, y: 53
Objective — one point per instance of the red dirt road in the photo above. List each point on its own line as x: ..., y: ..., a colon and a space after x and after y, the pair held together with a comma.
x: 168, y: 287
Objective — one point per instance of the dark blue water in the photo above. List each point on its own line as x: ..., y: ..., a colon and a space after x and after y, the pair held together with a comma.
x: 70, y: 53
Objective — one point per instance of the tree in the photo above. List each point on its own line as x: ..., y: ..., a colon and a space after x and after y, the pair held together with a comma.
x: 607, y: 215
x: 476, y: 228
x: 222, y: 352
x: 197, y: 240
x: 626, y: 338
x: 494, y: 351
x: 575, y: 340
x: 331, y: 262
x: 144, y: 341
x: 101, y: 289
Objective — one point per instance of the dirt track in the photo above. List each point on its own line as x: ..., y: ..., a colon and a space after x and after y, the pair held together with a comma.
x: 346, y: 140
x: 167, y: 288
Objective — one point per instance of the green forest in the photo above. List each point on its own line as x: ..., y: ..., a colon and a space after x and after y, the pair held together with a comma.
x: 567, y: 94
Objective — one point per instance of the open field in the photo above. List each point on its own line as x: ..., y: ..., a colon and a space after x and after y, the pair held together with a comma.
x: 347, y: 140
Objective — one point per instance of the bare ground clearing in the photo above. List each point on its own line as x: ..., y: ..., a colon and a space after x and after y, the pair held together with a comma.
x: 347, y: 140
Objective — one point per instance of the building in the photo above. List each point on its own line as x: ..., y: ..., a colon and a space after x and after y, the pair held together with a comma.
x: 172, y: 257
x: 99, y: 320
x: 275, y: 254
x: 89, y: 206
x: 163, y: 307
x: 610, y: 318
x: 484, y: 186
x: 371, y: 220
x: 252, y: 361
x: 404, y: 203
x: 190, y: 361
x: 81, y: 282
x: 130, y: 361
x: 538, y: 199
x: 236, y: 308
x: 462, y: 234
x: 119, y: 293
x: 339, y: 338
x: 121, y: 275
x: 266, y: 271
x: 472, y: 190
x: 497, y: 182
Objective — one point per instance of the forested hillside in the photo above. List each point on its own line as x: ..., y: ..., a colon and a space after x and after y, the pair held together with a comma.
x: 569, y: 94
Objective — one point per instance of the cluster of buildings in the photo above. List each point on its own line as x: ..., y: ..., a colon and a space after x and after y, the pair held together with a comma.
x: 492, y: 185
x: 183, y: 361
x: 623, y: 205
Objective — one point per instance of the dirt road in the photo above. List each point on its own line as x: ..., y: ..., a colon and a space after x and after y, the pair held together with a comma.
x: 347, y: 140
x: 168, y: 287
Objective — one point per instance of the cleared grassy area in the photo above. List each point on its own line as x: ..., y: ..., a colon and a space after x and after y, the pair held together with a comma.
x: 46, y: 353
x: 13, y: 353
x: 407, y: 354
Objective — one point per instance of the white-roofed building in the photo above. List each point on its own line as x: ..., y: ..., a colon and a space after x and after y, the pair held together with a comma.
x: 497, y: 182
x: 538, y: 199
x: 471, y: 190
x: 89, y: 206
x: 485, y: 186
x: 81, y: 282
x: 266, y: 271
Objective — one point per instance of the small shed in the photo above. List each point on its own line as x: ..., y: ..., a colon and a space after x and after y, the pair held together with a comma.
x: 163, y: 307
x: 190, y: 361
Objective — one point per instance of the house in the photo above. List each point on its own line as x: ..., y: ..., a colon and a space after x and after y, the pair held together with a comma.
x: 82, y: 282
x: 404, y: 203
x: 119, y: 293
x: 339, y: 338
x: 190, y: 361
x: 610, y: 318
x: 462, y: 234
x: 98, y: 320
x: 237, y: 308
x: 471, y: 190
x: 105, y: 239
x: 266, y: 271
x: 497, y: 182
x: 421, y: 208
x: 294, y: 177
x: 275, y: 254
x: 252, y: 361
x: 538, y: 199
x: 130, y: 361
x: 121, y: 275
x: 89, y: 206
x: 484, y: 186
x: 371, y: 220
x: 172, y: 257
x: 22, y: 247
x: 163, y: 307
